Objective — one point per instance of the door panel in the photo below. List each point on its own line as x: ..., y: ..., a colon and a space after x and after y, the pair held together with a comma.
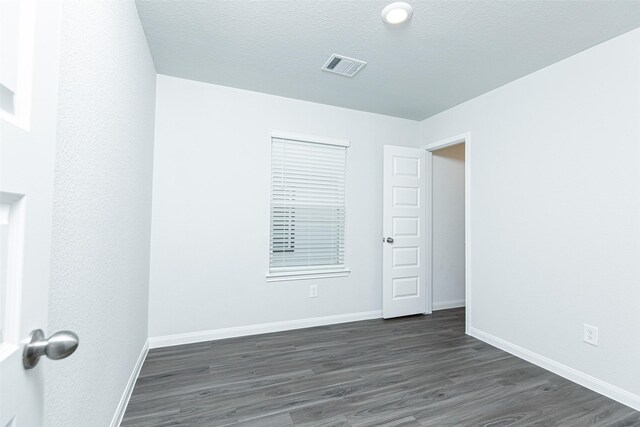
x: 404, y: 269
x: 28, y: 107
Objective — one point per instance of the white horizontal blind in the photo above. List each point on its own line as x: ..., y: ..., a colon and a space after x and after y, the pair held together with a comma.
x: 307, y: 205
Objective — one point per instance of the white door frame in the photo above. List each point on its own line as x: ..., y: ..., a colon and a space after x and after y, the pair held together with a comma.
x: 465, y: 139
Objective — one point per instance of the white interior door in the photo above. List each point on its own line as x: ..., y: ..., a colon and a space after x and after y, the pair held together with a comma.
x: 28, y: 93
x: 404, y: 255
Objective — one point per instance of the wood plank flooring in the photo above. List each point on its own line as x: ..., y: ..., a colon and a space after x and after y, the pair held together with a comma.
x: 414, y: 371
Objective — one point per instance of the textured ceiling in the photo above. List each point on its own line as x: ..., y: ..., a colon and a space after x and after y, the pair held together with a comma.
x: 451, y: 51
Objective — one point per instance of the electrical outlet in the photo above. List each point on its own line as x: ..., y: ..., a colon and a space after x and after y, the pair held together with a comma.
x: 313, y: 291
x: 591, y: 334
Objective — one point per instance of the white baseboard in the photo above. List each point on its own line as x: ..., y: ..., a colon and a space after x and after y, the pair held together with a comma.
x: 592, y: 383
x: 262, y: 328
x: 124, y: 400
x: 444, y: 305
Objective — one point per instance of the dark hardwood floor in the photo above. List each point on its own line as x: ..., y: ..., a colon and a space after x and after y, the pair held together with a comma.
x: 414, y: 371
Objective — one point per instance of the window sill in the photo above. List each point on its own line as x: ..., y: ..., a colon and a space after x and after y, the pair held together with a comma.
x: 305, y: 275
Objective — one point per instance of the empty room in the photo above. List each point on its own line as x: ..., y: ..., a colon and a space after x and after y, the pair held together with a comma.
x: 319, y: 213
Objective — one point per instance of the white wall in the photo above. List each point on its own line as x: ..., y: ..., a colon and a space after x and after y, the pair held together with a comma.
x: 210, y: 233
x: 555, y: 210
x: 448, y: 227
x: 102, y: 209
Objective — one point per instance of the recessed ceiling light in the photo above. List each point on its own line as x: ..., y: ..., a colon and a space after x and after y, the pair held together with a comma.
x: 397, y: 13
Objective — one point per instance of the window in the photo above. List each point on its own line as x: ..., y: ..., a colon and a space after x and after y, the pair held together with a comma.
x: 307, y: 207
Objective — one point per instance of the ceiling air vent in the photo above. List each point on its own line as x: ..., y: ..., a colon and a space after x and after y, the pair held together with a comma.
x: 342, y: 65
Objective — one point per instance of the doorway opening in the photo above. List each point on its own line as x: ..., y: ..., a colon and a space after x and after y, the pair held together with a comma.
x: 448, y: 225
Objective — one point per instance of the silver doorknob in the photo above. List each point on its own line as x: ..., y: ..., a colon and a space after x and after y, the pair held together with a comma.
x: 389, y: 239
x: 59, y: 345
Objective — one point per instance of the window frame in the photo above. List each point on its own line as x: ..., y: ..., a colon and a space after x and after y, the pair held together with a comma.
x: 310, y: 272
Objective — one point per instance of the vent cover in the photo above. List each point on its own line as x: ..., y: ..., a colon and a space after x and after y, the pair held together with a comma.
x: 342, y: 65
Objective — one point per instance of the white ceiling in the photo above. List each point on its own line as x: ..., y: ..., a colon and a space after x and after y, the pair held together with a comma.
x: 451, y: 51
